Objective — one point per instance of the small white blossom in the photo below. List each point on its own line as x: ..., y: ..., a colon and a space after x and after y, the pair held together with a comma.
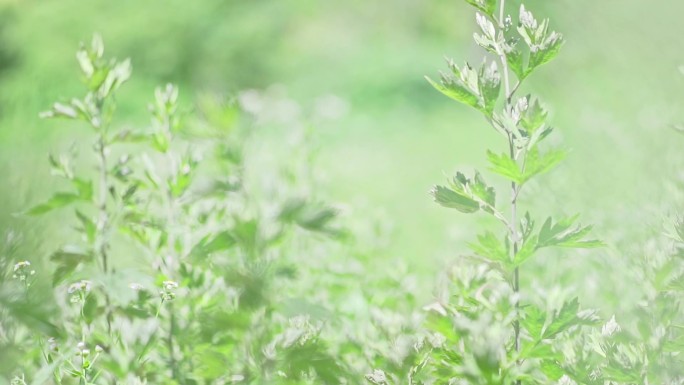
x: 527, y: 19
x: 21, y: 265
x: 486, y: 26
x: 565, y: 380
x: 136, y: 286
x: 22, y: 271
x: 610, y: 328
x: 377, y: 377
x: 52, y: 344
x: 80, y: 286
x: 168, y: 293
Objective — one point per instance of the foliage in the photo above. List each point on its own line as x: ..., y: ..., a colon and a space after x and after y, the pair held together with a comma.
x: 189, y: 269
x: 487, y: 328
x: 188, y: 265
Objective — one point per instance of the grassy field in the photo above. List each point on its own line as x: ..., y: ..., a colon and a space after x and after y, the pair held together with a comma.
x: 616, y: 91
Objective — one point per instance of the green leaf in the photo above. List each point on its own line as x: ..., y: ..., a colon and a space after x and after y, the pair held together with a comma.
x: 84, y: 188
x: 116, y: 76
x: 68, y: 259
x: 565, y: 318
x: 533, y: 321
x: 516, y: 64
x: 550, y: 50
x: 536, y: 163
x: 160, y: 142
x: 89, y: 228
x: 454, y: 90
x: 454, y: 200
x: 213, y: 243
x: 504, y: 166
x: 534, y: 117
x: 59, y: 200
x: 526, y: 251
x: 486, y: 6
x: 461, y: 86
x: 538, y: 349
x: 552, y: 369
x: 483, y: 192
x: 466, y: 195
x: 563, y: 234
x: 489, y: 82
x: 490, y: 247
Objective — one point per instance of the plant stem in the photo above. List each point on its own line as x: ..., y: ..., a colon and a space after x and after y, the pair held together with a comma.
x: 103, y: 221
x: 513, y: 232
x: 171, y: 263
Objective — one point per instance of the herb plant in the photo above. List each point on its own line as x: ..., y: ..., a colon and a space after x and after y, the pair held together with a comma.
x: 493, y: 331
x: 186, y: 270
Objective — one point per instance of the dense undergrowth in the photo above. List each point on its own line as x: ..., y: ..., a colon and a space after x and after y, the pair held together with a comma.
x: 184, y: 264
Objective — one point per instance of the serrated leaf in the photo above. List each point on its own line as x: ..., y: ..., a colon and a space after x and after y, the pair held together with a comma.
x: 486, y: 6
x: 212, y: 243
x: 89, y: 228
x: 516, y: 63
x: 565, y: 318
x: 537, y: 164
x: 490, y: 247
x: 116, y: 76
x: 489, y: 82
x: 526, y: 251
x: 552, y: 369
x: 454, y: 200
x: 504, y: 166
x: 455, y: 91
x: 68, y: 259
x: 534, y: 117
x: 58, y: 200
x: 538, y: 349
x: 533, y: 321
x: 84, y: 188
x: 548, y: 52
x: 563, y: 234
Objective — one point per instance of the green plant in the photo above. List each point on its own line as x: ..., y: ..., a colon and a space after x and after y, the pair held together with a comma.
x: 187, y: 264
x: 493, y: 331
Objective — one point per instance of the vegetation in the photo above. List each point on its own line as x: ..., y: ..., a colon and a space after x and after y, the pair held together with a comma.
x: 203, y: 248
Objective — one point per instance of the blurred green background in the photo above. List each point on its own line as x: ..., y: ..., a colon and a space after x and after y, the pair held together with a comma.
x: 614, y: 92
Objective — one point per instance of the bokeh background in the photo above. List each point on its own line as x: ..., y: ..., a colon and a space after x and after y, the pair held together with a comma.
x: 615, y: 92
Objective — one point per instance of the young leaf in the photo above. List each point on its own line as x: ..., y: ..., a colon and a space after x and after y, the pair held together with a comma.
x: 526, y: 251
x: 58, y: 200
x: 486, y: 6
x: 466, y: 195
x: 490, y: 247
x: 462, y: 86
x: 534, y: 117
x: 454, y: 200
x: 84, y: 188
x: 533, y: 321
x: 549, y: 50
x: 562, y: 320
x: 213, y: 243
x: 536, y: 163
x: 489, y: 82
x: 563, y: 234
x: 516, y: 63
x: 89, y: 228
x: 504, y: 166
x: 68, y: 259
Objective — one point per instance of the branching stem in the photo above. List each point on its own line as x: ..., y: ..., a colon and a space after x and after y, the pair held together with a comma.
x: 515, y: 189
x: 103, y: 220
